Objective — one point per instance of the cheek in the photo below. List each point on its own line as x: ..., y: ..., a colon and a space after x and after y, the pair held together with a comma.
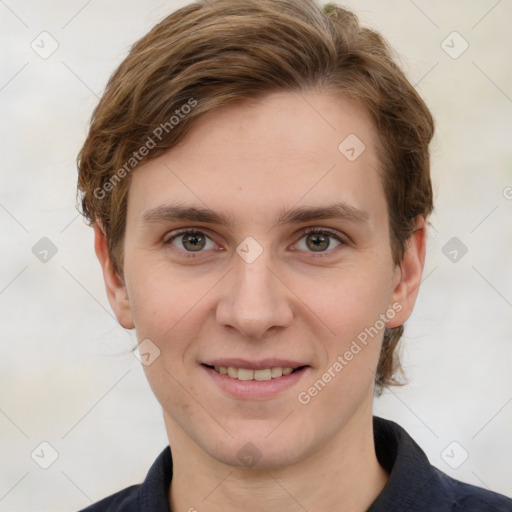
x: 159, y: 312
x: 171, y: 310
x: 174, y: 390
x: 160, y: 299
x: 343, y: 384
x: 347, y: 299
x: 350, y: 302
x: 165, y: 310
x: 345, y: 379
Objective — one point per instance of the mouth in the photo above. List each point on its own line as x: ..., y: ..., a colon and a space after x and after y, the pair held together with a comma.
x: 261, y: 374
x: 255, y: 380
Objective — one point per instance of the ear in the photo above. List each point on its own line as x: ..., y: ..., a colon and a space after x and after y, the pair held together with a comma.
x: 116, y: 290
x: 407, y: 277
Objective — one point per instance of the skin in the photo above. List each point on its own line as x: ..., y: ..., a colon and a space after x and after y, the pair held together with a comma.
x: 249, y: 161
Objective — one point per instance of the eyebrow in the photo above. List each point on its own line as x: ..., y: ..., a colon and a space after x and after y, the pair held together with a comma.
x: 172, y: 213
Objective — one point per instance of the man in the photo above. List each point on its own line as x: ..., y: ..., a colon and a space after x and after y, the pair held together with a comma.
x: 257, y: 175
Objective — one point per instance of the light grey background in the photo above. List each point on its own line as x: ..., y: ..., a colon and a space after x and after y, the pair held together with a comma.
x: 67, y: 374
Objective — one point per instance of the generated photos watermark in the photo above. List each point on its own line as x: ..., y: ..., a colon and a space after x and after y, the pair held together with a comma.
x: 305, y: 397
x: 143, y: 151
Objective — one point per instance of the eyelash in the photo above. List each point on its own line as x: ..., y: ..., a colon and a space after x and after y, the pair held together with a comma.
x: 307, y: 231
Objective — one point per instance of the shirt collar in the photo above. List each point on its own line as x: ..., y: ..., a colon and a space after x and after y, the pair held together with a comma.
x: 407, y: 465
x: 410, y: 472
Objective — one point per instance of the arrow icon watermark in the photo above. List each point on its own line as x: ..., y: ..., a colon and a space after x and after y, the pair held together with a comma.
x: 44, y: 250
x: 454, y: 249
x: 351, y: 147
x: 147, y: 352
x: 249, y: 249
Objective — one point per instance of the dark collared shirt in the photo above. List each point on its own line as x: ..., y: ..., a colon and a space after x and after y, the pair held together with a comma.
x: 414, y: 485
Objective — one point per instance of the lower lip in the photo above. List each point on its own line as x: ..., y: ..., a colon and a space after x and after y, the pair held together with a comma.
x: 255, y: 389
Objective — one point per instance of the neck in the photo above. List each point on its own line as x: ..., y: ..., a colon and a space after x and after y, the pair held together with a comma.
x: 344, y: 472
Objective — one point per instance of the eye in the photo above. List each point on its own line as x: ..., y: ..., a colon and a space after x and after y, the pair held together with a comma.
x: 319, y: 240
x: 190, y: 240
x: 314, y: 240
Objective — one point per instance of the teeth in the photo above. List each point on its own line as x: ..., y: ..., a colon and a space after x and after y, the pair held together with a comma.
x: 263, y: 374
x: 246, y: 374
x: 276, y: 372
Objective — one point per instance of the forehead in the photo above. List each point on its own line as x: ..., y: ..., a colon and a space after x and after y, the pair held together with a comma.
x: 259, y: 156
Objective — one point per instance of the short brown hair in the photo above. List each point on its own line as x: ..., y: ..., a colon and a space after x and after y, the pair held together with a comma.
x: 213, y: 52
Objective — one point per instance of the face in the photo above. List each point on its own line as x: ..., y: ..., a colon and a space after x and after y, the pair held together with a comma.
x: 258, y: 246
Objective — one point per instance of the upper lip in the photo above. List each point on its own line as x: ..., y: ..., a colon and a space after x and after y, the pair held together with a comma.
x: 255, y: 365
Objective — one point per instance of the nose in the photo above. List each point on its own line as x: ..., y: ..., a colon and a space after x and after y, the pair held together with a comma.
x: 254, y: 299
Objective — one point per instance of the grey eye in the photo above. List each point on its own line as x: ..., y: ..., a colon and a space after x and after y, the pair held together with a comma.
x: 192, y: 242
x: 318, y: 242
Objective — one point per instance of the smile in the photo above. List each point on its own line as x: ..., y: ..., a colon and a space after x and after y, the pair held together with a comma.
x: 259, y: 375
x: 251, y: 380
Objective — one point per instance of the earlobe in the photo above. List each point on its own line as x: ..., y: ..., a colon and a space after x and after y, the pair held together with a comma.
x: 116, y: 290
x: 408, y: 275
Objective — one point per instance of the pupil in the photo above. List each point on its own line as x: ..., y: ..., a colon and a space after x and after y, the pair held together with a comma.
x: 196, y: 242
x: 319, y: 242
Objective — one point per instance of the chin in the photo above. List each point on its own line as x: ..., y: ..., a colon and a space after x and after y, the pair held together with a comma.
x: 257, y: 456
x: 263, y: 448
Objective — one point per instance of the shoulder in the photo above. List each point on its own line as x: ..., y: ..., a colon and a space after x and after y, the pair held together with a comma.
x: 415, y: 485
x: 125, y: 501
x: 470, y: 498
x: 151, y: 495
